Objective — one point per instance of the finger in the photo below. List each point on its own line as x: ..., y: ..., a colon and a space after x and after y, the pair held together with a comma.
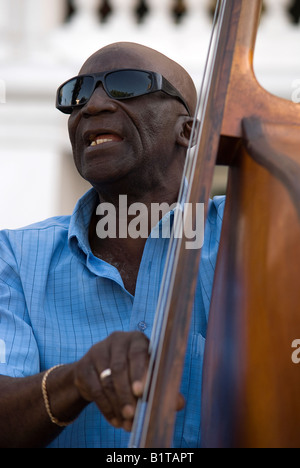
x: 122, y: 399
x: 138, y: 387
x: 180, y: 402
x: 127, y: 426
x: 104, y: 405
x: 101, y: 355
x: 90, y: 388
x: 90, y: 368
x: 138, y: 356
x: 108, y: 387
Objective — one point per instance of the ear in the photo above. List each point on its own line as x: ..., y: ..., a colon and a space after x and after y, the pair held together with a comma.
x: 184, y: 128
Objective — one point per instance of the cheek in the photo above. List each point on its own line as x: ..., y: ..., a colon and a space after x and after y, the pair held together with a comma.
x: 74, y: 136
x: 149, y: 121
x: 159, y: 130
x: 72, y: 128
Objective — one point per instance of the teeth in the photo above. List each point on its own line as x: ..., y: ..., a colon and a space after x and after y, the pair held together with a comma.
x: 100, y: 141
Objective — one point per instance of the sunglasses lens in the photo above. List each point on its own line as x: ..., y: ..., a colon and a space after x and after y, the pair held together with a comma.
x: 128, y: 83
x: 76, y: 92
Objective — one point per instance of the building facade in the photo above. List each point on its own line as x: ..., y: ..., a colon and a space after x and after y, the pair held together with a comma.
x: 44, y: 42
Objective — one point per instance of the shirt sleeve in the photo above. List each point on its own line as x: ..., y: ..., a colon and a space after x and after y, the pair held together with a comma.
x: 19, y: 355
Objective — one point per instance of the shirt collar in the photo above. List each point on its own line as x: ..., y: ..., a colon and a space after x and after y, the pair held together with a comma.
x: 80, y: 222
x: 78, y: 237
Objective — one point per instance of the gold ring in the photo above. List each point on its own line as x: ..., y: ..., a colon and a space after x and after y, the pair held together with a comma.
x: 106, y: 373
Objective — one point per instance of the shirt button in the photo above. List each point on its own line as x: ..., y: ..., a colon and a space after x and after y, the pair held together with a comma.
x: 142, y: 326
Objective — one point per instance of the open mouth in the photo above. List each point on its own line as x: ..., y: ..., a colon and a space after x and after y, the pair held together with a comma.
x: 104, y: 138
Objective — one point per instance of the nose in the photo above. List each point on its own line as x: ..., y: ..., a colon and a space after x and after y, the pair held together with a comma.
x: 99, y: 102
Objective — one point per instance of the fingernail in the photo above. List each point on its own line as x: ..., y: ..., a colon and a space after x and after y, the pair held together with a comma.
x: 128, y: 412
x: 137, y: 388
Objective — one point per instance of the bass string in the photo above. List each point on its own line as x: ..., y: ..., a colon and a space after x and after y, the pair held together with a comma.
x: 188, y: 173
x: 192, y: 152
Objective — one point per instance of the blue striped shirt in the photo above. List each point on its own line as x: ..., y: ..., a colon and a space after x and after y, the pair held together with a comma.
x: 57, y: 300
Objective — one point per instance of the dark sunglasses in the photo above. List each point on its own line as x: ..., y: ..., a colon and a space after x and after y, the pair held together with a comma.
x: 118, y: 84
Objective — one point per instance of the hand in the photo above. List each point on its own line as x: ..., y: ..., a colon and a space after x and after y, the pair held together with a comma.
x: 126, y: 355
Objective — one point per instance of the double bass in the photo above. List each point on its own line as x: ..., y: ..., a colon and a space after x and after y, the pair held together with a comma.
x: 250, y: 389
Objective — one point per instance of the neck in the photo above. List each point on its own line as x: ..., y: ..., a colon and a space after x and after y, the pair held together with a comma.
x: 127, y: 220
x: 121, y: 225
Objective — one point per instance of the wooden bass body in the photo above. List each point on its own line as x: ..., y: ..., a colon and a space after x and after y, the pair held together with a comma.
x: 251, y: 386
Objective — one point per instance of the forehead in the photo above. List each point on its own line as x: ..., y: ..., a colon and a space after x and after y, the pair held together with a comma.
x: 126, y: 56
x: 131, y: 55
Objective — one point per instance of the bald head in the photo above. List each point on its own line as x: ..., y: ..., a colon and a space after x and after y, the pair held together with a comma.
x: 131, y: 55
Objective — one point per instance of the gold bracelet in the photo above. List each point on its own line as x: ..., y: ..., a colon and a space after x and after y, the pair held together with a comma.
x: 46, y: 399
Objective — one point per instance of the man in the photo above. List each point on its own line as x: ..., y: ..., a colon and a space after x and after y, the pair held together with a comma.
x: 86, y: 303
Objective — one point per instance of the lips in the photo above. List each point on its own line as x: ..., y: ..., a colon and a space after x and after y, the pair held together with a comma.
x: 101, y: 137
x: 105, y: 138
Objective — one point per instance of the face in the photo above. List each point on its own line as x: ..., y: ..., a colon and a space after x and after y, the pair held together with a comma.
x: 131, y: 144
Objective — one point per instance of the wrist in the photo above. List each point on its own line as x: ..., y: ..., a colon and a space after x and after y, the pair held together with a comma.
x: 62, y: 401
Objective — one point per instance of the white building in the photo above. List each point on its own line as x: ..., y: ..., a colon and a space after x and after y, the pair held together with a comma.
x: 39, y: 50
